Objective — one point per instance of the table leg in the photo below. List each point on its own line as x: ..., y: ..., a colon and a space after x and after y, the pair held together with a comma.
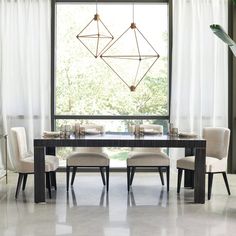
x: 188, y: 174
x: 39, y: 174
x: 199, y: 175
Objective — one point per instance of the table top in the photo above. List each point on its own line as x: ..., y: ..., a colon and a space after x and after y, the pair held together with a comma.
x: 121, y: 140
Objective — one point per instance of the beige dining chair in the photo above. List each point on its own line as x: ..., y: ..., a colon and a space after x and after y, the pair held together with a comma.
x: 88, y: 157
x: 23, y: 161
x: 148, y: 157
x: 217, y: 145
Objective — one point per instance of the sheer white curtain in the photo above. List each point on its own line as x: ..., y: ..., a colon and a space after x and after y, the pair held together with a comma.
x: 200, y: 66
x: 199, y: 95
x: 25, y: 65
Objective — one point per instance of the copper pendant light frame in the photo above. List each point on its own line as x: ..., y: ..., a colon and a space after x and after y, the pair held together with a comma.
x: 97, y: 35
x: 138, y: 56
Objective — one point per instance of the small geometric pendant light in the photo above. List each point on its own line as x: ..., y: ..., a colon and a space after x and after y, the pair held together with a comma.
x: 136, y: 59
x: 95, y: 36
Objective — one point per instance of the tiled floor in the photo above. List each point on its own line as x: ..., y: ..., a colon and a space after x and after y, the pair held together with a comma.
x: 87, y: 210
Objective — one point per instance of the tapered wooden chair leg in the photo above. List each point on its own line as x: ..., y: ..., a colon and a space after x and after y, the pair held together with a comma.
x: 161, y: 175
x: 180, y: 171
x: 210, y: 180
x: 226, y: 182
x: 133, y: 169
x: 107, y: 177
x: 20, y: 178
x: 48, y: 183
x: 128, y: 178
x: 168, y: 178
x: 67, y: 177
x: 53, y: 179
x: 73, y: 175
x: 102, y: 175
x: 24, y: 181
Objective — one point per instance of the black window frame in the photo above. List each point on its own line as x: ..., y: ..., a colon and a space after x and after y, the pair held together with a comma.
x: 55, y: 117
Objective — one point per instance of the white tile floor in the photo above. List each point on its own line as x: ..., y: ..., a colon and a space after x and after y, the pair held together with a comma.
x: 88, y: 210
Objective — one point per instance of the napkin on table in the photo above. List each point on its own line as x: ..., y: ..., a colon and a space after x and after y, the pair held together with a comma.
x: 51, y: 134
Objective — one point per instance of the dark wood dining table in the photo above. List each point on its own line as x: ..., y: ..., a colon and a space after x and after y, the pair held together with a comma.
x: 44, y: 146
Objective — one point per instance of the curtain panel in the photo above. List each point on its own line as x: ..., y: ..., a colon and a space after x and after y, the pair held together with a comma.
x: 25, y: 66
x: 199, y: 96
x: 199, y: 89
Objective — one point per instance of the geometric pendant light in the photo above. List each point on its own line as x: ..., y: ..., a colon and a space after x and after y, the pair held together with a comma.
x: 95, y: 36
x: 130, y: 56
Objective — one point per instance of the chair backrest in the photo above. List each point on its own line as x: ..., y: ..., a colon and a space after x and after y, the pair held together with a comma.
x: 150, y: 128
x: 19, y: 145
x: 91, y: 129
x: 217, y: 141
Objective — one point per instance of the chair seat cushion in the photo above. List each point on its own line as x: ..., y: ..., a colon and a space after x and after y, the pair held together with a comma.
x: 87, y: 159
x: 27, y: 164
x: 212, y: 164
x: 148, y: 159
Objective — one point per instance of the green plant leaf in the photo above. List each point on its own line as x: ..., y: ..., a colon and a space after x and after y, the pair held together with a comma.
x: 234, y: 1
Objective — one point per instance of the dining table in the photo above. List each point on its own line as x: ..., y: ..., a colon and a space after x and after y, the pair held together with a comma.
x: 193, y: 146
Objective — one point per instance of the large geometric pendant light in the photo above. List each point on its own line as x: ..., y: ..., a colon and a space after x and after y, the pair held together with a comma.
x: 130, y: 56
x: 95, y: 36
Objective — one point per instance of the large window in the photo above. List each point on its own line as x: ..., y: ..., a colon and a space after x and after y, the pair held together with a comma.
x: 85, y: 88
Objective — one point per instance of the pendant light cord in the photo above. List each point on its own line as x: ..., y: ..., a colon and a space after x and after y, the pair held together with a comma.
x: 96, y: 6
x: 133, y: 11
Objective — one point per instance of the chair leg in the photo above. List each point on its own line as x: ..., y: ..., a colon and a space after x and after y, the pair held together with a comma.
x: 20, y: 177
x: 67, y: 177
x: 48, y: 183
x: 226, y: 182
x: 161, y: 175
x: 168, y: 178
x: 53, y: 179
x: 210, y: 180
x: 102, y: 175
x: 128, y: 178
x: 73, y: 175
x: 133, y: 169
x: 24, y: 182
x: 180, y: 172
x: 107, y: 176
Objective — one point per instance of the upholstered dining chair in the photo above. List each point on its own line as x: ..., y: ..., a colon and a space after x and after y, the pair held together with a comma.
x: 88, y: 157
x: 217, y: 145
x: 148, y: 157
x: 23, y: 161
